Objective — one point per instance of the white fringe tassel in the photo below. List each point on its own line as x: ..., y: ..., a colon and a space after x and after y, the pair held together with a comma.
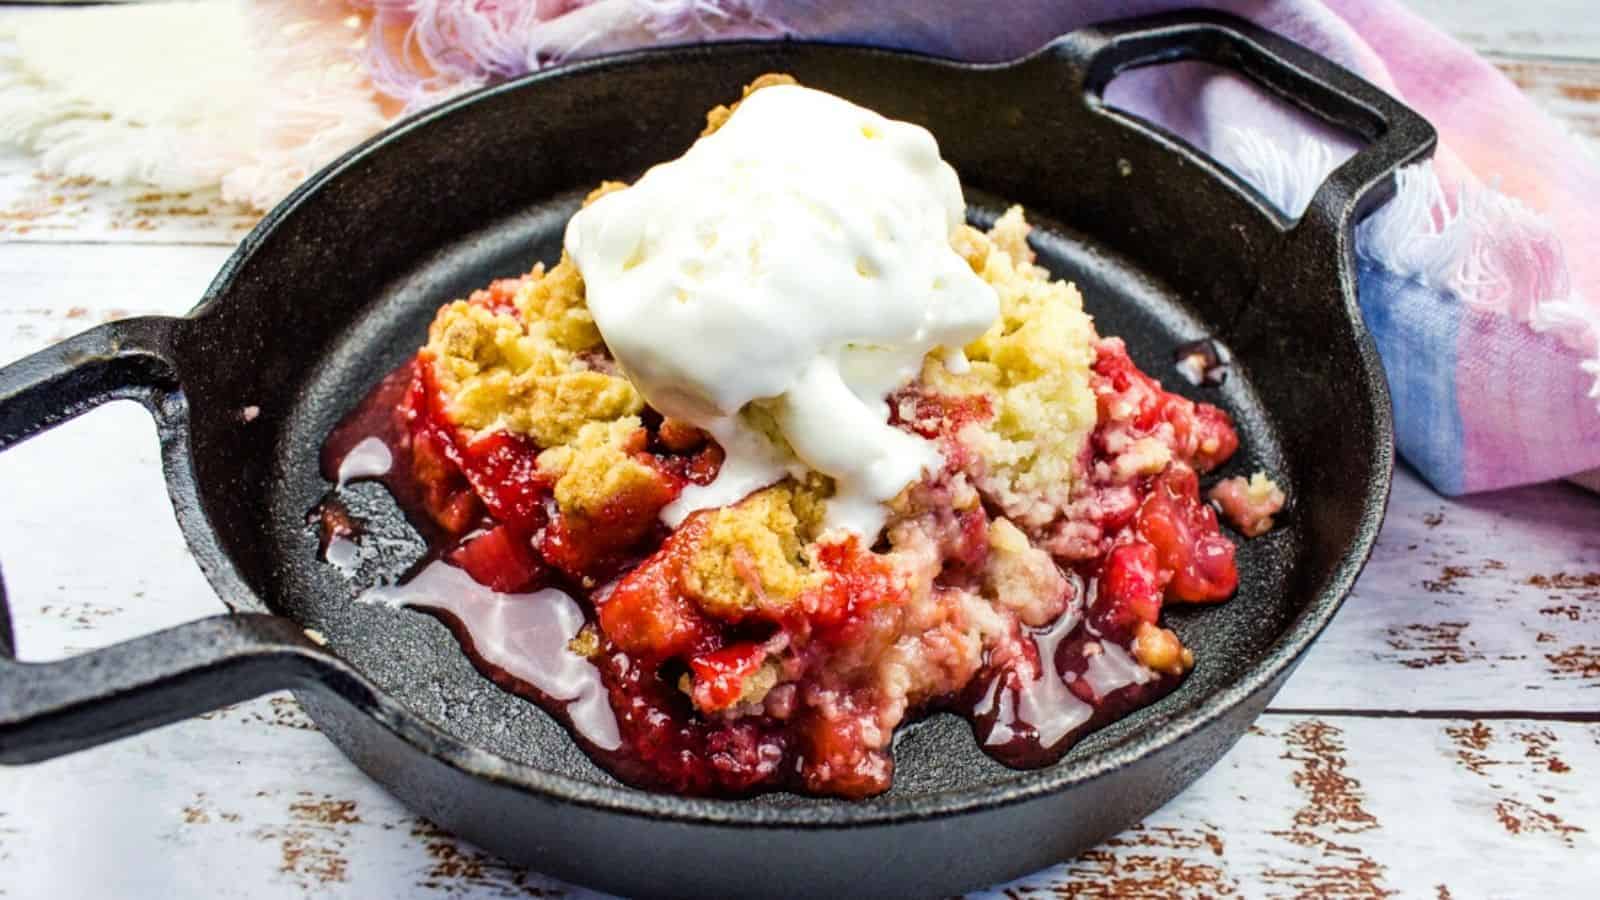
x: 182, y: 96
x: 1492, y: 251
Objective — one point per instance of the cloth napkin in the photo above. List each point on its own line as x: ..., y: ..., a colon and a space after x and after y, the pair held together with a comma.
x: 1480, y: 281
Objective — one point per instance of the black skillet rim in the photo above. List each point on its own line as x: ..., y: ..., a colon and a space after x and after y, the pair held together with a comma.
x: 1027, y: 785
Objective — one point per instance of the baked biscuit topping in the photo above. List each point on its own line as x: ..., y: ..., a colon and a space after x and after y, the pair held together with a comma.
x: 530, y: 367
x: 1034, y: 367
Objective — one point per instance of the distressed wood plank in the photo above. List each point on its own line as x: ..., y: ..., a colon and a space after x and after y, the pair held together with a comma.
x: 174, y: 818
x: 1548, y: 27
x: 84, y: 571
x: 38, y: 207
x: 89, y: 546
x: 1480, y: 603
x: 1360, y: 807
x: 1303, y: 806
x: 1568, y: 89
x: 51, y: 291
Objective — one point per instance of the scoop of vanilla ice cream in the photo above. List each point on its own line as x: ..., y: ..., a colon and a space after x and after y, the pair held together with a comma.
x: 799, y: 256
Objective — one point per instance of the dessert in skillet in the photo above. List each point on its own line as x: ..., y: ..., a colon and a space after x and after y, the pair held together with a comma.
x: 782, y: 453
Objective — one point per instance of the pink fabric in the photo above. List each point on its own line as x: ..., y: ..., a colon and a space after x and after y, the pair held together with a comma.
x: 1504, y: 367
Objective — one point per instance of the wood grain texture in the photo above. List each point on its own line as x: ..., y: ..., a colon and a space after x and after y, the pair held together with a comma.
x: 1542, y: 28
x: 1340, y: 807
x: 36, y: 207
x: 1568, y: 89
x: 1482, y: 603
x: 1305, y: 806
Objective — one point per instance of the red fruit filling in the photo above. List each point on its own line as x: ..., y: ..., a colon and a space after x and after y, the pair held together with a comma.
x: 500, y: 559
x: 1183, y: 531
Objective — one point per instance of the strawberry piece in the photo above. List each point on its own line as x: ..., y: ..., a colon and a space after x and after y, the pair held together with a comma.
x: 502, y: 469
x: 838, y: 757
x: 1202, y: 435
x: 1188, y: 544
x: 932, y: 415
x: 719, y: 676
x: 648, y: 614
x: 1130, y: 590
x: 858, y: 582
x: 445, y: 494
x: 1212, y: 436
x: 500, y: 560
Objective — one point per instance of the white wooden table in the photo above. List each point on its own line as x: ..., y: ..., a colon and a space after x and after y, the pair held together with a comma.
x: 1441, y: 740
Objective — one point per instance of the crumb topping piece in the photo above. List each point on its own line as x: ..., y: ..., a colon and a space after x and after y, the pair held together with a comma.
x: 753, y: 554
x: 1249, y: 505
x: 1160, y: 650
x: 1034, y: 366
x: 528, y: 367
x: 598, y: 466
x: 1022, y: 577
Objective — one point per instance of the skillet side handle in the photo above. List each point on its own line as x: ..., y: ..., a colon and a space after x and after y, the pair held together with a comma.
x: 50, y: 709
x: 127, y: 359
x: 130, y: 359
x: 1396, y: 135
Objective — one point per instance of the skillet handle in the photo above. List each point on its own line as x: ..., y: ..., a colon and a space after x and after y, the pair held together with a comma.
x: 48, y: 709
x: 1395, y: 134
x: 130, y: 359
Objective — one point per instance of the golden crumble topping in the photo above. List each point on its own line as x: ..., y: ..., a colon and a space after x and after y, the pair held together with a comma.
x: 598, y: 465
x: 1249, y: 505
x: 533, y: 373
x: 754, y: 552
x: 1160, y: 650
x: 586, y: 643
x: 1034, y: 365
x: 551, y: 304
x: 720, y: 113
x: 1022, y: 577
x: 527, y: 373
x: 757, y: 686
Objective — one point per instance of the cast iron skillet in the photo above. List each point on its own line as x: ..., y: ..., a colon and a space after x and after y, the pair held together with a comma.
x: 335, y: 287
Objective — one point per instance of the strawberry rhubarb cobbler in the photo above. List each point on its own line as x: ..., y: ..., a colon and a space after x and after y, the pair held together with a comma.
x: 782, y: 454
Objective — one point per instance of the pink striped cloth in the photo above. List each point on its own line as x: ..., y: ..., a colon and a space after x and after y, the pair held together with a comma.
x: 1480, y: 281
